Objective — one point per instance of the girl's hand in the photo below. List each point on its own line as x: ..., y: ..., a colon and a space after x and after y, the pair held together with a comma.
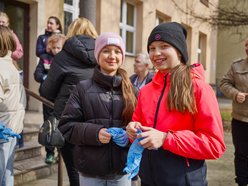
x: 103, y: 136
x: 153, y: 138
x: 132, y: 129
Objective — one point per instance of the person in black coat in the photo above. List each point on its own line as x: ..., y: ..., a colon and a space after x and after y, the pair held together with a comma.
x: 74, y: 63
x: 96, y: 105
x: 55, y: 44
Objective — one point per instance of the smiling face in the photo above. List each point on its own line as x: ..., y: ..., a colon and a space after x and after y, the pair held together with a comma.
x: 163, y: 56
x: 110, y: 59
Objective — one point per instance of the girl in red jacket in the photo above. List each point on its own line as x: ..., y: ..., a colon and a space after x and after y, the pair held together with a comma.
x: 177, y: 113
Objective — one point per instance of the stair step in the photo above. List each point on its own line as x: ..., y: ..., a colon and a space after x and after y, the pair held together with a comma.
x: 30, y: 149
x: 32, y: 169
x: 30, y: 134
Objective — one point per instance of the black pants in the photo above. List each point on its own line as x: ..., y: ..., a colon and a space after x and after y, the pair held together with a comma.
x: 240, y: 142
x: 47, y: 112
x: 67, y: 154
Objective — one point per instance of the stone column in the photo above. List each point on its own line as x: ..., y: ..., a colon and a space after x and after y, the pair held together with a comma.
x: 88, y: 10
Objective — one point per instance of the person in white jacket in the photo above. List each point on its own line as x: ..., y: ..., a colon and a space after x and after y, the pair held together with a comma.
x: 12, y: 104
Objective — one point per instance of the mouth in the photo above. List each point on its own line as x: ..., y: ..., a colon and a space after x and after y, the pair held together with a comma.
x: 160, y: 61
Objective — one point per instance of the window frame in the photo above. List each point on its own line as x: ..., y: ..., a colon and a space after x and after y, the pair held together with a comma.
x: 73, y: 9
x: 124, y: 27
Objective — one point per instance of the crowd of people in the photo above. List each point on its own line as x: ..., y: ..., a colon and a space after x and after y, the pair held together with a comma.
x: 157, y: 121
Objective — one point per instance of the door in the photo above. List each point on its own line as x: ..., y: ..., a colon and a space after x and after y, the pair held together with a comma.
x: 19, y: 22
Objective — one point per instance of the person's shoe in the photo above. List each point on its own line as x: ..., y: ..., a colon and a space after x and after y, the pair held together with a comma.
x: 50, y: 159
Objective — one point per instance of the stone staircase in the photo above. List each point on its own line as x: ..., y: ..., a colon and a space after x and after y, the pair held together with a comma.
x: 29, y: 162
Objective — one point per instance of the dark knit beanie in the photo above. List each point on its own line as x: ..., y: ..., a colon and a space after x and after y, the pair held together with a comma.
x: 172, y: 33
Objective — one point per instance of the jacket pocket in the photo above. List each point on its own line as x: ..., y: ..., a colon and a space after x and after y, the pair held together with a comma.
x: 196, y: 174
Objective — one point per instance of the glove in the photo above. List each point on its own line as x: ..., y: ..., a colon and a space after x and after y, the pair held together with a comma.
x: 5, y: 133
x: 119, y: 136
x: 133, y: 158
x: 8, y: 132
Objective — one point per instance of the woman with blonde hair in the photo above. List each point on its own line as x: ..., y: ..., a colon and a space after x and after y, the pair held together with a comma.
x: 80, y: 26
x: 74, y: 63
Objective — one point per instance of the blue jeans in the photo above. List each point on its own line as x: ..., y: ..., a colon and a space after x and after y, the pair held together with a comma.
x: 7, y: 152
x: 121, y: 180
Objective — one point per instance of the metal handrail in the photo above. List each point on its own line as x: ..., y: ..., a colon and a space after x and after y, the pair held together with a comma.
x: 51, y: 105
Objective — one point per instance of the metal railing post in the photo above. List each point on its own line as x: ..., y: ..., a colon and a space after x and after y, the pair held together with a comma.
x: 51, y: 105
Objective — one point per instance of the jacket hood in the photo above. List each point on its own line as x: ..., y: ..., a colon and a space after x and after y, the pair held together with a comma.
x: 81, y: 47
x: 197, y: 71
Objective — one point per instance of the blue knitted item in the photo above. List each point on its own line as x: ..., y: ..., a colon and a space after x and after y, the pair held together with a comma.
x: 119, y: 136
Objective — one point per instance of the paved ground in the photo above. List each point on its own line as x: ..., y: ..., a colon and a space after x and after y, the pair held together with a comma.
x: 220, y: 172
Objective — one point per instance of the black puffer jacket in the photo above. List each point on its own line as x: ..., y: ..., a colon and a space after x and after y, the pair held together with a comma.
x: 94, y: 104
x: 74, y: 63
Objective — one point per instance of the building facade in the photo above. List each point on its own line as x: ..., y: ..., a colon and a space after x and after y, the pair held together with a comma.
x: 133, y: 19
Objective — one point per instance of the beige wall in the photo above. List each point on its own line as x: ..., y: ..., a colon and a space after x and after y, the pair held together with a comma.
x: 108, y: 18
x: 230, y: 42
x: 146, y: 20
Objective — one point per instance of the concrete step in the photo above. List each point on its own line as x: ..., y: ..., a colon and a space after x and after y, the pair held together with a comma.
x: 30, y: 149
x: 32, y: 169
x: 30, y: 134
x: 29, y: 162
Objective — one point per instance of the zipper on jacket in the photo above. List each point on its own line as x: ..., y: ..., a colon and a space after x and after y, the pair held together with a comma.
x: 159, y: 101
x: 111, y: 125
x: 187, y: 162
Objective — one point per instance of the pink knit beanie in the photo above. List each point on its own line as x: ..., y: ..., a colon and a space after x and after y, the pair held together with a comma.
x: 108, y: 38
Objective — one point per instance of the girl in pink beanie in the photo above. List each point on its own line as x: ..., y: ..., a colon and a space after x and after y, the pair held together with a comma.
x: 96, y: 107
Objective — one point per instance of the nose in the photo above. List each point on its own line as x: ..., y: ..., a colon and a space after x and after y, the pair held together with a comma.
x: 112, y: 54
x: 157, y: 51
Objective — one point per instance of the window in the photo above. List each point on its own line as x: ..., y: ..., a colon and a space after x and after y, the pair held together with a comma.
x: 202, y: 46
x: 127, y: 25
x: 71, y: 12
x: 205, y: 2
x: 162, y: 18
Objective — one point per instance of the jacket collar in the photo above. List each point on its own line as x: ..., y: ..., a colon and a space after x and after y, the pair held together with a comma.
x: 106, y: 81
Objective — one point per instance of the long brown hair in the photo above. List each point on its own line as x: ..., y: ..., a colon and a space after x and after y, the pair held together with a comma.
x: 129, y: 97
x: 7, y: 41
x: 181, y: 93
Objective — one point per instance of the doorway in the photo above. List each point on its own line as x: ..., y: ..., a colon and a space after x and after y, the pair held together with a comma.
x: 19, y: 22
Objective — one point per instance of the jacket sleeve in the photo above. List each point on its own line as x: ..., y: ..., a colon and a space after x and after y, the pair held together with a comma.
x: 207, y: 139
x: 72, y: 124
x: 18, y: 53
x: 51, y: 86
x: 39, y: 72
x: 40, y: 48
x: 227, y: 84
